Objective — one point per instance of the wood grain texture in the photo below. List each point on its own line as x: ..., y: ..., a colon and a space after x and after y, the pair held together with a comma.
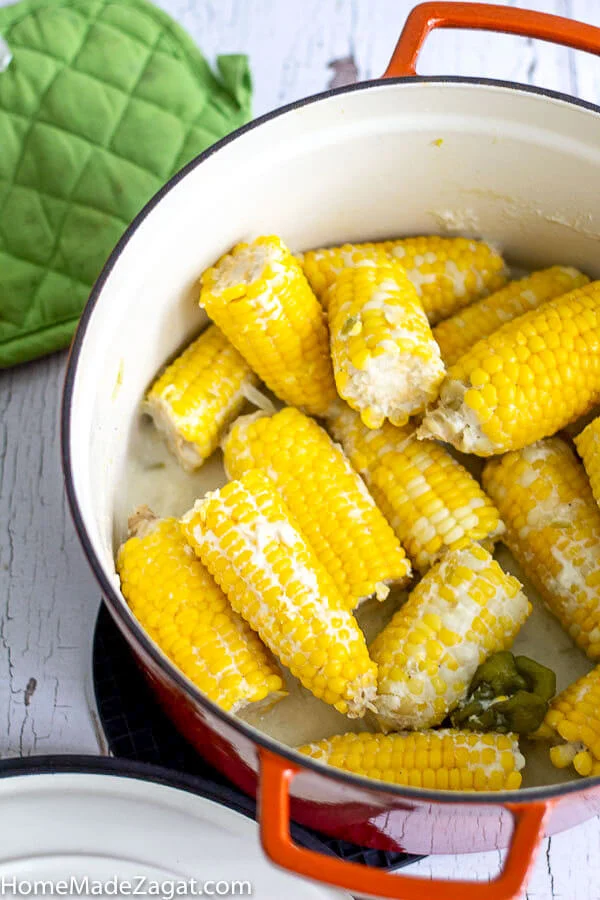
x: 48, y: 598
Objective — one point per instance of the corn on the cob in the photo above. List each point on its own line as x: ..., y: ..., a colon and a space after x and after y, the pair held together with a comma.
x: 258, y: 295
x: 245, y: 536
x: 327, y: 498
x: 385, y: 360
x: 448, y: 273
x: 464, y: 609
x: 459, y: 333
x: 588, y: 447
x: 447, y: 759
x: 553, y: 530
x: 430, y: 500
x: 574, y: 716
x: 525, y: 381
x: 198, y: 395
x: 181, y: 607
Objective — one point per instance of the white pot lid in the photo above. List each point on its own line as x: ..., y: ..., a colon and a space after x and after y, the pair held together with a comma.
x: 104, y: 826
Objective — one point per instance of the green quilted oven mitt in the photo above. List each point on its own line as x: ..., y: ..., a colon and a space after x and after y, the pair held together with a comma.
x: 102, y: 102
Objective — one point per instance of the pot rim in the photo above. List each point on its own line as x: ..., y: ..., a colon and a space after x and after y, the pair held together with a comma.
x: 136, y: 634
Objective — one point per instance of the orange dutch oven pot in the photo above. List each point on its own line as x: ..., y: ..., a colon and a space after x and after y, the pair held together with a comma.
x: 359, y: 162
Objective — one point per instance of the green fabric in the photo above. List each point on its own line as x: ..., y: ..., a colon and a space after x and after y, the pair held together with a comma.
x: 102, y: 102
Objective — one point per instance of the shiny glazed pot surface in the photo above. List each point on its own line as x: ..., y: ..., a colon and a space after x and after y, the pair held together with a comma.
x: 515, y: 166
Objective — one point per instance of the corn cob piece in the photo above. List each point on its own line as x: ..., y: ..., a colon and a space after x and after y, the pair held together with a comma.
x: 553, y: 530
x: 430, y: 500
x: 525, y: 381
x: 588, y: 447
x: 574, y: 717
x: 198, y: 395
x: 258, y: 295
x: 385, y: 360
x: 246, y: 538
x: 327, y: 498
x: 447, y: 759
x: 448, y: 273
x: 463, y: 610
x: 457, y: 334
x: 178, y: 603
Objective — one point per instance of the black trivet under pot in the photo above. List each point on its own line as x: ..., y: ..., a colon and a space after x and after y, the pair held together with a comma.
x: 137, y: 729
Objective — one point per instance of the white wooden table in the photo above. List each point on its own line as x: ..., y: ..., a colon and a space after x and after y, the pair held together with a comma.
x: 48, y: 598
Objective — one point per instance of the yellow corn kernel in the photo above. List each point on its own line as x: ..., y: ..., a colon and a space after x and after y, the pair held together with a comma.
x: 574, y: 717
x: 553, y: 530
x: 448, y: 273
x: 431, y: 501
x: 385, y: 361
x: 447, y: 759
x: 272, y: 576
x: 444, y: 670
x: 457, y: 334
x: 184, y: 611
x: 588, y: 447
x: 334, y: 511
x: 258, y: 295
x: 198, y: 395
x: 552, y: 387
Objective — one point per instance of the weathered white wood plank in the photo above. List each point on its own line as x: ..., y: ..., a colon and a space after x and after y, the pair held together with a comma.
x: 48, y: 598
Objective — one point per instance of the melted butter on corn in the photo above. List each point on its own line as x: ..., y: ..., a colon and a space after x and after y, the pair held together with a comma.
x: 326, y: 496
x: 464, y: 609
x: 247, y: 539
x: 553, y: 530
x: 386, y: 362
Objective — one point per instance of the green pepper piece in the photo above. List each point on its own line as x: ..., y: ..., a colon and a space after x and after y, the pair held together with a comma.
x: 464, y: 715
x: 522, y: 713
x: 541, y: 680
x: 500, y: 673
x: 476, y: 717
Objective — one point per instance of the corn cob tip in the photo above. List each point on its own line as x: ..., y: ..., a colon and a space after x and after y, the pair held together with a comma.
x: 141, y: 521
x: 454, y: 423
x: 386, y: 363
x: 160, y: 411
x: 195, y: 397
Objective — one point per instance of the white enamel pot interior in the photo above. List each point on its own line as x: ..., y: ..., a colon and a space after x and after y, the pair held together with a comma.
x: 406, y: 156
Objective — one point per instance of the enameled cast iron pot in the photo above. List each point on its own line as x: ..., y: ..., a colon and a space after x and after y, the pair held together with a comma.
x: 516, y: 164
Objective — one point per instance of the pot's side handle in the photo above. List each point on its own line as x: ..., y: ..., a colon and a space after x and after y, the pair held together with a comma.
x: 485, y: 17
x: 274, y: 819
